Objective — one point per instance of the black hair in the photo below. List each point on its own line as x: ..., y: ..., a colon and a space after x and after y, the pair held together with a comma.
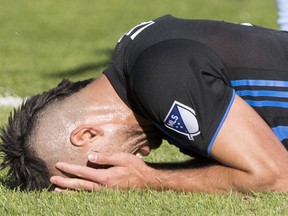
x: 25, y: 169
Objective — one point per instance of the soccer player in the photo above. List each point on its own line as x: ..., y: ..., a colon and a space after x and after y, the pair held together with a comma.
x: 215, y: 90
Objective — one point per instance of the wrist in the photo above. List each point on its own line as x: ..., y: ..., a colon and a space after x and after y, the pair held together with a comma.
x: 156, y: 180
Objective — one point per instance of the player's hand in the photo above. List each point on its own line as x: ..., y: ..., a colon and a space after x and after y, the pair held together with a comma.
x: 125, y: 171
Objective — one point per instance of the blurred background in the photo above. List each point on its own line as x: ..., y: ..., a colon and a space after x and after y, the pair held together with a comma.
x: 42, y: 42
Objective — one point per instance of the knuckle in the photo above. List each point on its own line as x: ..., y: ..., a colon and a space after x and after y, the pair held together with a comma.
x: 105, y: 180
x: 87, y: 186
x: 104, y: 158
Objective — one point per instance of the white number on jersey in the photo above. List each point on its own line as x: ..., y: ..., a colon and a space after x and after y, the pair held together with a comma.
x: 139, y: 28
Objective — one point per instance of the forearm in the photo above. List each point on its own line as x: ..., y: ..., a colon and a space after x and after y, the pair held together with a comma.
x: 250, y: 157
x: 128, y: 171
x: 212, y: 179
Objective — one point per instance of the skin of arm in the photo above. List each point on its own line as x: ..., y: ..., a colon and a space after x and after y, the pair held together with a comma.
x: 250, y: 156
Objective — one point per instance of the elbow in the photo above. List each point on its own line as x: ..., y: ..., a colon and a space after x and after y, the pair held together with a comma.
x: 267, y: 179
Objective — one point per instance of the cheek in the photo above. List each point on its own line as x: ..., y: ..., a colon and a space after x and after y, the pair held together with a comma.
x: 106, y: 145
x: 114, y: 139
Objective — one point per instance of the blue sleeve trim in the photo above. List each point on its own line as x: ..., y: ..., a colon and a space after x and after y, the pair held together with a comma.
x: 221, y: 123
x: 281, y: 132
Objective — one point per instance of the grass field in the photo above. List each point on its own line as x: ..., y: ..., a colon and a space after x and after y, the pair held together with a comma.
x: 42, y: 42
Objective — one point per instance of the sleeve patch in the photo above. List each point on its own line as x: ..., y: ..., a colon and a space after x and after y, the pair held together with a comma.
x: 182, y: 119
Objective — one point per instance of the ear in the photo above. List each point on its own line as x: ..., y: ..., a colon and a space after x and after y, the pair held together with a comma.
x: 85, y: 134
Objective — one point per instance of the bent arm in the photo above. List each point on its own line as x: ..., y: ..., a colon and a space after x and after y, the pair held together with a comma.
x: 251, y: 158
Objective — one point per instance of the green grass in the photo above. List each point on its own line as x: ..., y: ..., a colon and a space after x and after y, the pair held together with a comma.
x: 134, y: 202
x: 42, y: 42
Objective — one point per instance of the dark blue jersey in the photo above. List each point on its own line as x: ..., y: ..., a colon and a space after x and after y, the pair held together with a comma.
x: 182, y: 75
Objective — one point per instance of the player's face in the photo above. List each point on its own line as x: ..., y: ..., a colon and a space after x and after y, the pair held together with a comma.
x: 122, y: 138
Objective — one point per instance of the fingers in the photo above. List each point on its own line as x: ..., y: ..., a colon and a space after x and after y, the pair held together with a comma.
x: 114, y: 159
x: 90, y: 174
x: 122, y: 171
x: 75, y: 170
x: 73, y: 183
x: 99, y: 176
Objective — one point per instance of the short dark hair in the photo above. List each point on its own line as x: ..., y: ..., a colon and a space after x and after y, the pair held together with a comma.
x: 25, y: 169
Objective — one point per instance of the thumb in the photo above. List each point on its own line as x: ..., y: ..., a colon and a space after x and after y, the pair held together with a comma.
x: 92, y: 157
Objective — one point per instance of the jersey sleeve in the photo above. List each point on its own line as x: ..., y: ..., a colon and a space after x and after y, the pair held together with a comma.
x: 181, y: 86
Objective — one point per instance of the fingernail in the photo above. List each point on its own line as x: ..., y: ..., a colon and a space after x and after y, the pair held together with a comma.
x: 52, y: 179
x: 58, y: 165
x: 58, y: 189
x: 92, y: 157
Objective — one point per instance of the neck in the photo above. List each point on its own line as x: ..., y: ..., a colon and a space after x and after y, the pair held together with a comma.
x: 106, y: 107
x: 101, y: 98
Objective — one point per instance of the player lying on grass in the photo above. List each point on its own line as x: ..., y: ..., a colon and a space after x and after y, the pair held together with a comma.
x: 215, y: 90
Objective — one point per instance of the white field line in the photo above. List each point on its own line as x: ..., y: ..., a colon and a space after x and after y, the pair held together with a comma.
x: 10, y: 101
